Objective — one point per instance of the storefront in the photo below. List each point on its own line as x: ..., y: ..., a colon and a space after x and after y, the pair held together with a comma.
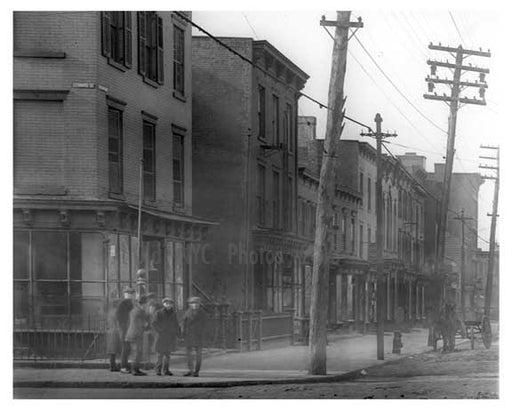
x: 68, y: 265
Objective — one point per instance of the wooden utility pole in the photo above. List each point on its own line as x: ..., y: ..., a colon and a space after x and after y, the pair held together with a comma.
x: 494, y: 215
x: 454, y: 101
x: 462, y: 281
x: 379, y: 135
x: 322, y: 245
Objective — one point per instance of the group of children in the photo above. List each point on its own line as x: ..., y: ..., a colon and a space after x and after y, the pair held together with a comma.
x: 131, y: 317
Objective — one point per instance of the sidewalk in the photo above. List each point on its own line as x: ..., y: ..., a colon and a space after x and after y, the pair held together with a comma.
x: 346, y: 357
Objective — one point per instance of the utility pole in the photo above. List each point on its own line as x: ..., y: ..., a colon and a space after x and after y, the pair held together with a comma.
x: 379, y: 135
x: 322, y: 245
x: 462, y: 281
x: 494, y: 215
x: 455, y: 101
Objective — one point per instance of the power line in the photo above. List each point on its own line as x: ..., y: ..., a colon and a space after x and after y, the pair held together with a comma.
x: 248, y: 61
x: 395, y: 87
x: 457, y: 28
x: 250, y: 25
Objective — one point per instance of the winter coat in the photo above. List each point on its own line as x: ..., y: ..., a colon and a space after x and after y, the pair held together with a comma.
x: 123, y: 316
x: 194, y: 326
x: 165, y: 324
x: 113, y: 338
x: 138, y: 323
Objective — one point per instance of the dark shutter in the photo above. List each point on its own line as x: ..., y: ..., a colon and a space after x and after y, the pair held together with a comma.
x: 128, y: 39
x: 160, y: 55
x: 141, y: 19
x: 105, y: 33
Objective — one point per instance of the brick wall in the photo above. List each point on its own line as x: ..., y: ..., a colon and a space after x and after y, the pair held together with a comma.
x: 221, y: 117
x: 84, y: 111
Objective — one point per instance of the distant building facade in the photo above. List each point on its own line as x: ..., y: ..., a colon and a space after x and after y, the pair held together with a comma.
x: 94, y: 92
x: 463, y: 197
x: 353, y: 280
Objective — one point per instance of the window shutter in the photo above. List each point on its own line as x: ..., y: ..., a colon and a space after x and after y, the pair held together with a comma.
x: 128, y: 39
x: 105, y: 33
x: 160, y: 55
x: 141, y: 20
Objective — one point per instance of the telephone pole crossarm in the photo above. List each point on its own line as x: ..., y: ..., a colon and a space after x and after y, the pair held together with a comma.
x: 458, y: 66
x: 478, y: 53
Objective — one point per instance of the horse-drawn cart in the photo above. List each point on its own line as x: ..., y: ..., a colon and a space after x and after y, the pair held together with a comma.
x: 482, y: 327
x: 448, y: 326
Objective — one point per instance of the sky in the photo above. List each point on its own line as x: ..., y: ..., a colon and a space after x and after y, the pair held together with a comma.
x: 392, y: 81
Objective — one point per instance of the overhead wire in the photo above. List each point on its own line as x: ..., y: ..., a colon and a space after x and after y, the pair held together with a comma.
x: 247, y: 60
x: 457, y: 28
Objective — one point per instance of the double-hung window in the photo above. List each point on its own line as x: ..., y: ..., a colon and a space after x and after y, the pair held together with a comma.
x: 149, y: 161
x: 150, y: 46
x: 116, y: 37
x: 115, y: 151
x: 178, y: 169
x: 179, y: 61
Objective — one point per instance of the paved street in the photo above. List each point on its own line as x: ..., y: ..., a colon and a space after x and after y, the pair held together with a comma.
x: 461, y: 374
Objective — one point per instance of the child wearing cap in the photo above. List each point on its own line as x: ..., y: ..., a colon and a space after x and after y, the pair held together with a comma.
x: 166, y: 326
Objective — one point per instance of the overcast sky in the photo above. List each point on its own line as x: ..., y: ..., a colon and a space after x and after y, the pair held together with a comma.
x: 394, y: 84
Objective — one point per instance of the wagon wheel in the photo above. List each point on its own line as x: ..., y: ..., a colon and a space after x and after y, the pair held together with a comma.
x: 486, y: 332
x: 472, y: 337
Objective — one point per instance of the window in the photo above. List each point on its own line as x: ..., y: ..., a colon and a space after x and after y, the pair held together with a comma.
x: 261, y: 111
x: 260, y: 195
x: 352, y: 236
x: 115, y: 151
x: 288, y: 128
x: 361, y: 242
x: 344, y: 232
x: 150, y: 44
x: 179, y: 60
x: 149, y: 160
x: 275, y: 119
x: 67, y: 272
x: 178, y: 159
x: 116, y: 36
x: 289, y: 204
x: 276, y: 200
x: 335, y: 230
x: 369, y: 194
x: 369, y: 242
x: 361, y: 179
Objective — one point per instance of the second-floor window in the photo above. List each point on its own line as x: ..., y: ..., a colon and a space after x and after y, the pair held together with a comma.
x: 261, y: 111
x: 276, y: 200
x: 369, y: 194
x: 260, y: 195
x: 148, y: 155
x: 178, y: 169
x: 179, y: 60
x: 361, y: 242
x: 275, y: 119
x: 288, y: 128
x: 151, y: 46
x: 115, y: 151
x: 116, y: 36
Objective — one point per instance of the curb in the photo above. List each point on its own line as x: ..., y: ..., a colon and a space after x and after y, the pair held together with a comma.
x: 354, y: 374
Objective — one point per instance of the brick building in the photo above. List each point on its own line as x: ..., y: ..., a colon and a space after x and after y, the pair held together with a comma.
x: 93, y: 93
x: 245, y: 171
x: 353, y: 275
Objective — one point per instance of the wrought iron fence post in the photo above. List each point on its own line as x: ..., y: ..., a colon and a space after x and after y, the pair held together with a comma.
x: 249, y: 330
x: 260, y: 325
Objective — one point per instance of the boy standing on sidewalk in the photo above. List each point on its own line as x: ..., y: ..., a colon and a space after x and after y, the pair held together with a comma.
x: 135, y: 333
x: 122, y: 317
x: 194, y: 325
x: 165, y: 324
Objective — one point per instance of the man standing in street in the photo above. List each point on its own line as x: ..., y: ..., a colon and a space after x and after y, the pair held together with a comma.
x: 122, y: 317
x: 165, y: 324
x: 194, y: 325
x: 135, y: 333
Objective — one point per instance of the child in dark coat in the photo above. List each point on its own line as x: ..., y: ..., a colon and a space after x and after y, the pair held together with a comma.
x: 166, y: 326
